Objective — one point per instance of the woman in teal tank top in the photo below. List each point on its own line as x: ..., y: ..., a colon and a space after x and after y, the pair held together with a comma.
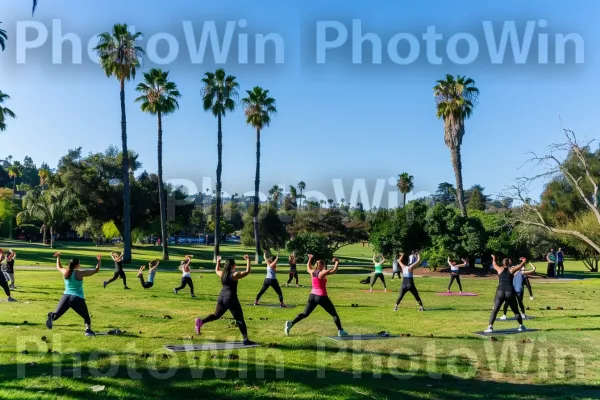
x: 73, y: 295
x: 378, y: 262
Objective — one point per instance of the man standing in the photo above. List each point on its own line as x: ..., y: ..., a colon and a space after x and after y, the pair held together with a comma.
x: 560, y: 259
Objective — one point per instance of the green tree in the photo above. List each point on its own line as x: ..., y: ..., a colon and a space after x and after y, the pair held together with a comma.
x: 120, y: 57
x: 3, y: 39
x: 272, y: 230
x: 219, y: 95
x: 110, y: 231
x: 445, y: 194
x: 405, y: 185
x: 259, y: 108
x: 159, y: 97
x: 4, y: 111
x: 476, y: 200
x: 456, y: 97
x: 90, y: 228
x: 14, y: 172
x: 306, y: 243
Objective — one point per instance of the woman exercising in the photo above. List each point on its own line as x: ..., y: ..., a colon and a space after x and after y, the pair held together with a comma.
x: 119, y: 273
x: 293, y: 270
x: 73, y: 294
x: 505, y: 293
x: 153, y: 265
x: 4, y: 286
x: 455, y: 272
x: 408, y: 283
x: 9, y: 268
x: 228, y: 299
x: 186, y: 277
x: 518, y: 284
x: 378, y: 272
x: 396, y: 269
x: 318, y: 295
x: 271, y: 281
x: 528, y: 286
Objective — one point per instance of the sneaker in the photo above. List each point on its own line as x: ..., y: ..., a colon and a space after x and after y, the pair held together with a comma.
x: 11, y: 300
x: 282, y: 305
x: 370, y: 290
x: 288, y: 328
x: 524, y: 316
x: 105, y: 283
x: 489, y: 330
x: 127, y: 288
x: 396, y: 308
x: 50, y: 320
x: 256, y: 303
x: 193, y: 295
x: 286, y: 285
x: 421, y: 309
x: 89, y: 332
x: 248, y: 342
x: 531, y: 298
x: 297, y: 286
x: 175, y: 291
x: 460, y: 292
x: 447, y: 291
x: 199, y: 324
x: 385, y: 290
x: 522, y: 328
x: 503, y: 318
x: 342, y: 333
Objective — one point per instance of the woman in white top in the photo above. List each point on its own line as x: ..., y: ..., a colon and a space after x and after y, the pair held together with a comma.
x: 186, y: 277
x: 408, y: 284
x: 271, y: 281
x: 455, y: 272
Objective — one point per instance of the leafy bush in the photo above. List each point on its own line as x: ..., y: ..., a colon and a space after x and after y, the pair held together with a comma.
x: 310, y: 243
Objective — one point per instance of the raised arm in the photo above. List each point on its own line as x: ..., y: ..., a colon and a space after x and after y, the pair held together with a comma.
x: 382, y: 260
x: 189, y: 260
x: 336, y: 266
x: 59, y: 266
x: 218, y: 267
x: 495, y: 265
x: 531, y: 271
x: 400, y: 257
x: 516, y: 268
x: 12, y: 255
x: 374, y: 259
x: 309, y: 265
x: 240, y: 275
x: 90, y: 272
x: 155, y: 266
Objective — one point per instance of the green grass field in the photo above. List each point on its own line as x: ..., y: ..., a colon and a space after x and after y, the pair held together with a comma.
x: 441, y: 359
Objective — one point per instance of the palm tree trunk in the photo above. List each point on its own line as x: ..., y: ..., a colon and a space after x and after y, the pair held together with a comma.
x: 457, y: 165
x: 219, y: 170
x: 51, y: 238
x: 44, y: 229
x: 13, y: 207
x: 256, y: 189
x: 126, y: 188
x: 404, y: 202
x: 161, y: 194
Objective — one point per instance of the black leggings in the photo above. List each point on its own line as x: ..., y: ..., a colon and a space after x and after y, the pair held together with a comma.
x: 323, y: 301
x: 528, y: 285
x: 550, y: 271
x: 145, y: 285
x: 185, y: 281
x: 292, y: 276
x: 560, y: 269
x: 4, y: 284
x: 519, y: 302
x: 76, y: 303
x: 234, y: 307
x: 452, y: 278
x: 378, y: 276
x: 118, y: 274
x: 266, y: 285
x: 409, y: 287
x: 394, y: 273
x: 509, y: 297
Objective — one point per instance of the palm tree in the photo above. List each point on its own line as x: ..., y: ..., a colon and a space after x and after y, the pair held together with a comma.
x: 405, y: 185
x: 159, y: 97
x: 14, y: 171
x: 456, y: 98
x: 322, y: 202
x: 4, y: 112
x: 44, y: 175
x: 301, y: 186
x: 259, y: 108
x: 330, y: 201
x: 219, y: 96
x: 120, y: 58
x: 3, y: 39
x: 294, y: 194
x: 52, y: 207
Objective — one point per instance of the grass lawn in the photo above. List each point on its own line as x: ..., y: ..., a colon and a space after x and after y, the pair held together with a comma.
x: 441, y: 359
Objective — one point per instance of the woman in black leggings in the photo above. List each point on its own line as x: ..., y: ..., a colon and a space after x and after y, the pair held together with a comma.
x: 318, y: 295
x: 528, y: 286
x: 73, y: 295
x: 119, y: 273
x: 293, y: 271
x: 455, y: 272
x: 408, y: 283
x: 186, y: 277
x: 228, y: 299
x: 4, y: 286
x: 271, y: 281
x: 506, y: 291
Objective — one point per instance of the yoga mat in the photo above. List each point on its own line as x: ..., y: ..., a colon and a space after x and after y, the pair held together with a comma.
x: 361, y: 337
x: 378, y: 291
x: 514, y: 319
x: 503, y: 332
x: 209, y: 347
x: 465, y: 294
x: 273, y: 305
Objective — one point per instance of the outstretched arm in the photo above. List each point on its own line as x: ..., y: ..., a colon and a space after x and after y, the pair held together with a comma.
x: 90, y: 272
x: 530, y: 272
x: 240, y: 275
x: 516, y: 268
x: 336, y: 266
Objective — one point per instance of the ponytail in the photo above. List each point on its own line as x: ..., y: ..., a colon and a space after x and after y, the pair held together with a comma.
x: 72, y: 264
x: 229, y: 264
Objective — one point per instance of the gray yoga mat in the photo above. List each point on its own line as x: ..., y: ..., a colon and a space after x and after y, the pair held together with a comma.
x: 209, y: 347
x: 514, y: 319
x: 361, y: 337
x: 273, y: 305
x: 504, y: 332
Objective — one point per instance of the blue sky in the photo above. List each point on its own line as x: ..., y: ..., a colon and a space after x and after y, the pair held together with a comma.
x: 338, y: 120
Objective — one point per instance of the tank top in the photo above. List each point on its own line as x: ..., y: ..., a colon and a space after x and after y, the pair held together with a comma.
x: 118, y: 265
x: 292, y: 267
x: 10, y: 265
x: 395, y: 266
x: 271, y: 273
x: 73, y: 287
x: 186, y: 274
x: 229, y: 287
x: 319, y: 286
x: 378, y: 269
x: 406, y: 273
x: 505, y: 281
x: 151, y: 275
x: 454, y: 269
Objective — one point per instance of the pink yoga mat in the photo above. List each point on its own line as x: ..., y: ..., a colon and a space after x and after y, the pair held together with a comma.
x: 466, y: 294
